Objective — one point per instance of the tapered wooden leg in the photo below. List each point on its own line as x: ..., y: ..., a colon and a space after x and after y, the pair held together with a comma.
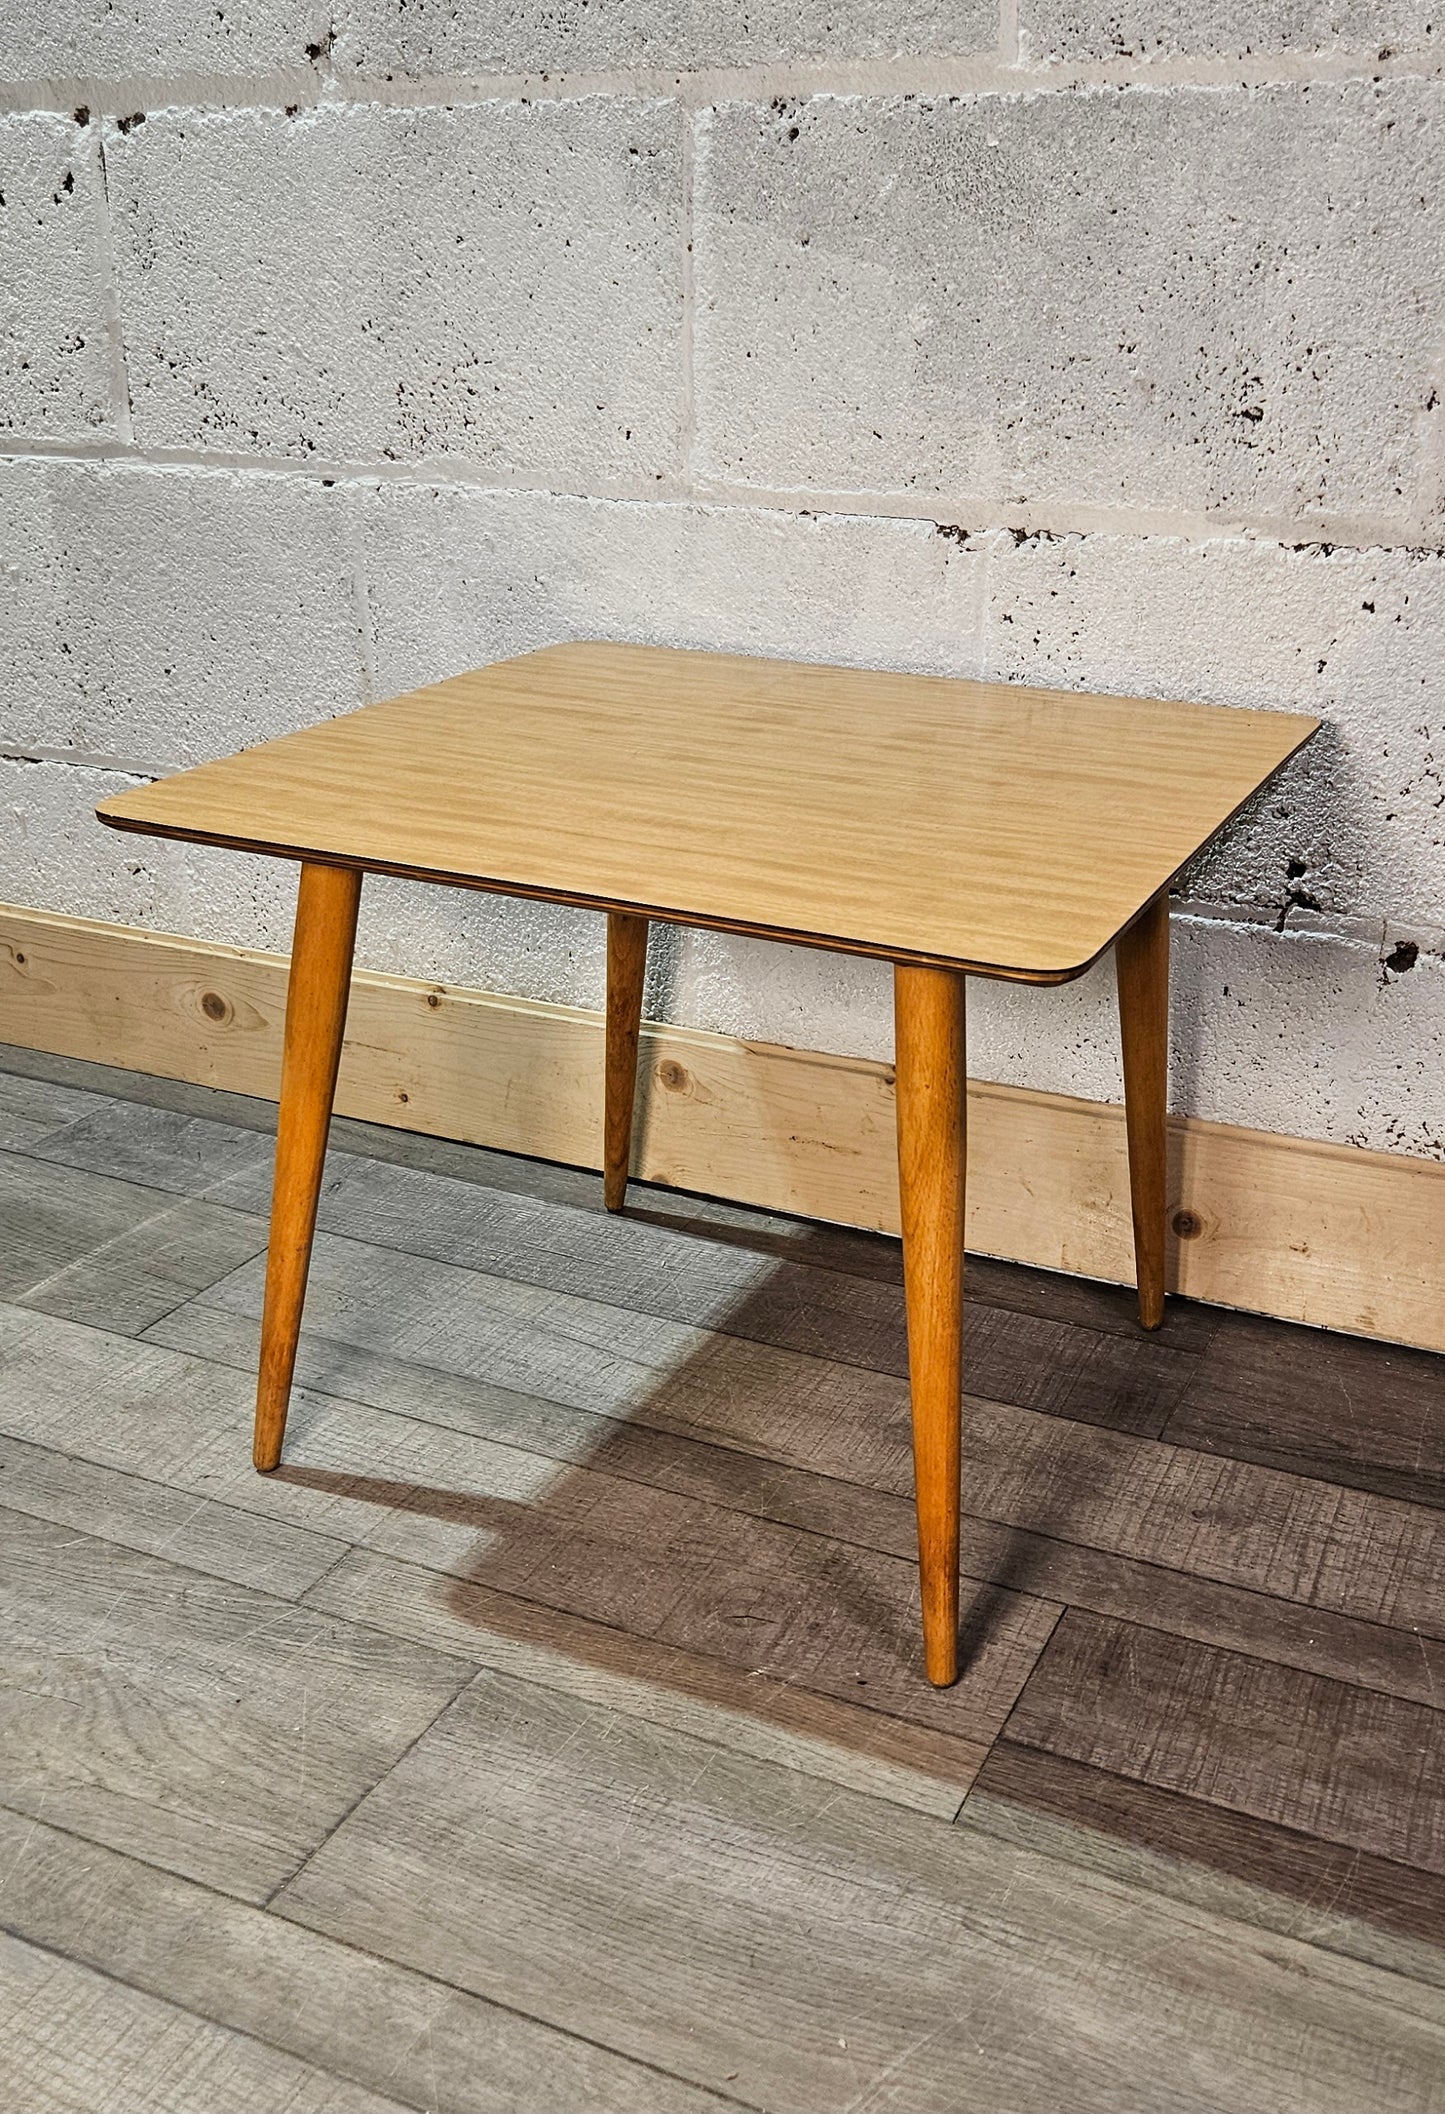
x: 1142, y: 960
x: 931, y: 1072
x: 626, y: 971
x: 315, y: 1018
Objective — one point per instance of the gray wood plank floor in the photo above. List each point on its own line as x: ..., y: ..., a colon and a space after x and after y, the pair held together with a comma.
x: 550, y: 1732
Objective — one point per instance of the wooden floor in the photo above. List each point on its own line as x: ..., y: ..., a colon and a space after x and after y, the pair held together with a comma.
x: 550, y: 1733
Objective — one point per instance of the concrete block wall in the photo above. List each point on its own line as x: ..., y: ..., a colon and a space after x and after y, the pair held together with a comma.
x: 346, y: 346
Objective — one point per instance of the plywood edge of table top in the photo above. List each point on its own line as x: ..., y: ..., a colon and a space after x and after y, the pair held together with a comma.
x: 134, y: 811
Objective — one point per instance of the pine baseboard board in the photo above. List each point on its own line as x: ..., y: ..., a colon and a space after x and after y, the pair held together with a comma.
x: 1324, y: 1234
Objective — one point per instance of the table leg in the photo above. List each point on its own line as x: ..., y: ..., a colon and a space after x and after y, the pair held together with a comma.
x: 1141, y: 959
x: 316, y: 996
x: 932, y: 1078
x: 626, y: 971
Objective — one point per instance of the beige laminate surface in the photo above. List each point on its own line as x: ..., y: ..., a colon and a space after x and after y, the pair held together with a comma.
x: 986, y: 826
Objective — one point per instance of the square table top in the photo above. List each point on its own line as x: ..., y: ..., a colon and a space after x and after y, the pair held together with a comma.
x: 983, y: 826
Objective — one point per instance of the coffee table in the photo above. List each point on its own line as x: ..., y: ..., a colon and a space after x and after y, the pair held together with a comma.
x: 951, y: 828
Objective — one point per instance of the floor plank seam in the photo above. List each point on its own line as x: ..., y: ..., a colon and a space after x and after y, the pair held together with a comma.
x: 614, y: 1629
x: 607, y: 1422
x: 348, y: 1548
x: 720, y: 1441
x: 145, y: 1089
x: 117, y: 1241
x: 205, y: 2018
x: 265, y: 1901
x: 717, y: 1325
x: 1173, y: 1857
x: 1079, y: 1424
x: 532, y: 2018
x: 1234, y: 1651
x: 1146, y: 1563
x: 189, y: 1299
x: 1194, y: 1798
x: 209, y: 1192
x: 365, y: 1952
x: 1413, y: 1631
x: 1002, y: 1731
x: 1249, y: 1931
x: 1033, y: 1746
x: 158, y: 1555
x: 510, y: 1446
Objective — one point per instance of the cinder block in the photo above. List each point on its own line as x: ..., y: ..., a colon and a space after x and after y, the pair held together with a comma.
x: 159, y: 617
x: 458, y: 577
x: 498, y: 284
x: 1152, y: 29
x: 54, y: 855
x: 1200, y: 299
x: 460, y: 936
x: 54, y: 365
x: 1303, y: 1033
x: 1311, y: 1036
x: 798, y: 996
x: 536, y: 36
x: 1356, y: 826
x: 96, y: 40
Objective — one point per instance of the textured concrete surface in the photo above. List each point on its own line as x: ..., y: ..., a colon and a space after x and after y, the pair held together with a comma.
x: 525, y: 36
x: 54, y: 363
x: 498, y: 283
x: 54, y: 855
x: 159, y: 618
x: 109, y: 39
x: 1100, y: 350
x: 1202, y: 299
x: 1357, y: 825
x: 458, y: 576
x: 1144, y: 29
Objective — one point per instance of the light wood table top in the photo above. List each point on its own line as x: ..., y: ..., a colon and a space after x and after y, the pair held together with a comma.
x: 982, y: 826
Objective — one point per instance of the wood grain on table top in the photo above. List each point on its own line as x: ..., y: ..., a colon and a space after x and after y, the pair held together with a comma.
x: 986, y: 826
